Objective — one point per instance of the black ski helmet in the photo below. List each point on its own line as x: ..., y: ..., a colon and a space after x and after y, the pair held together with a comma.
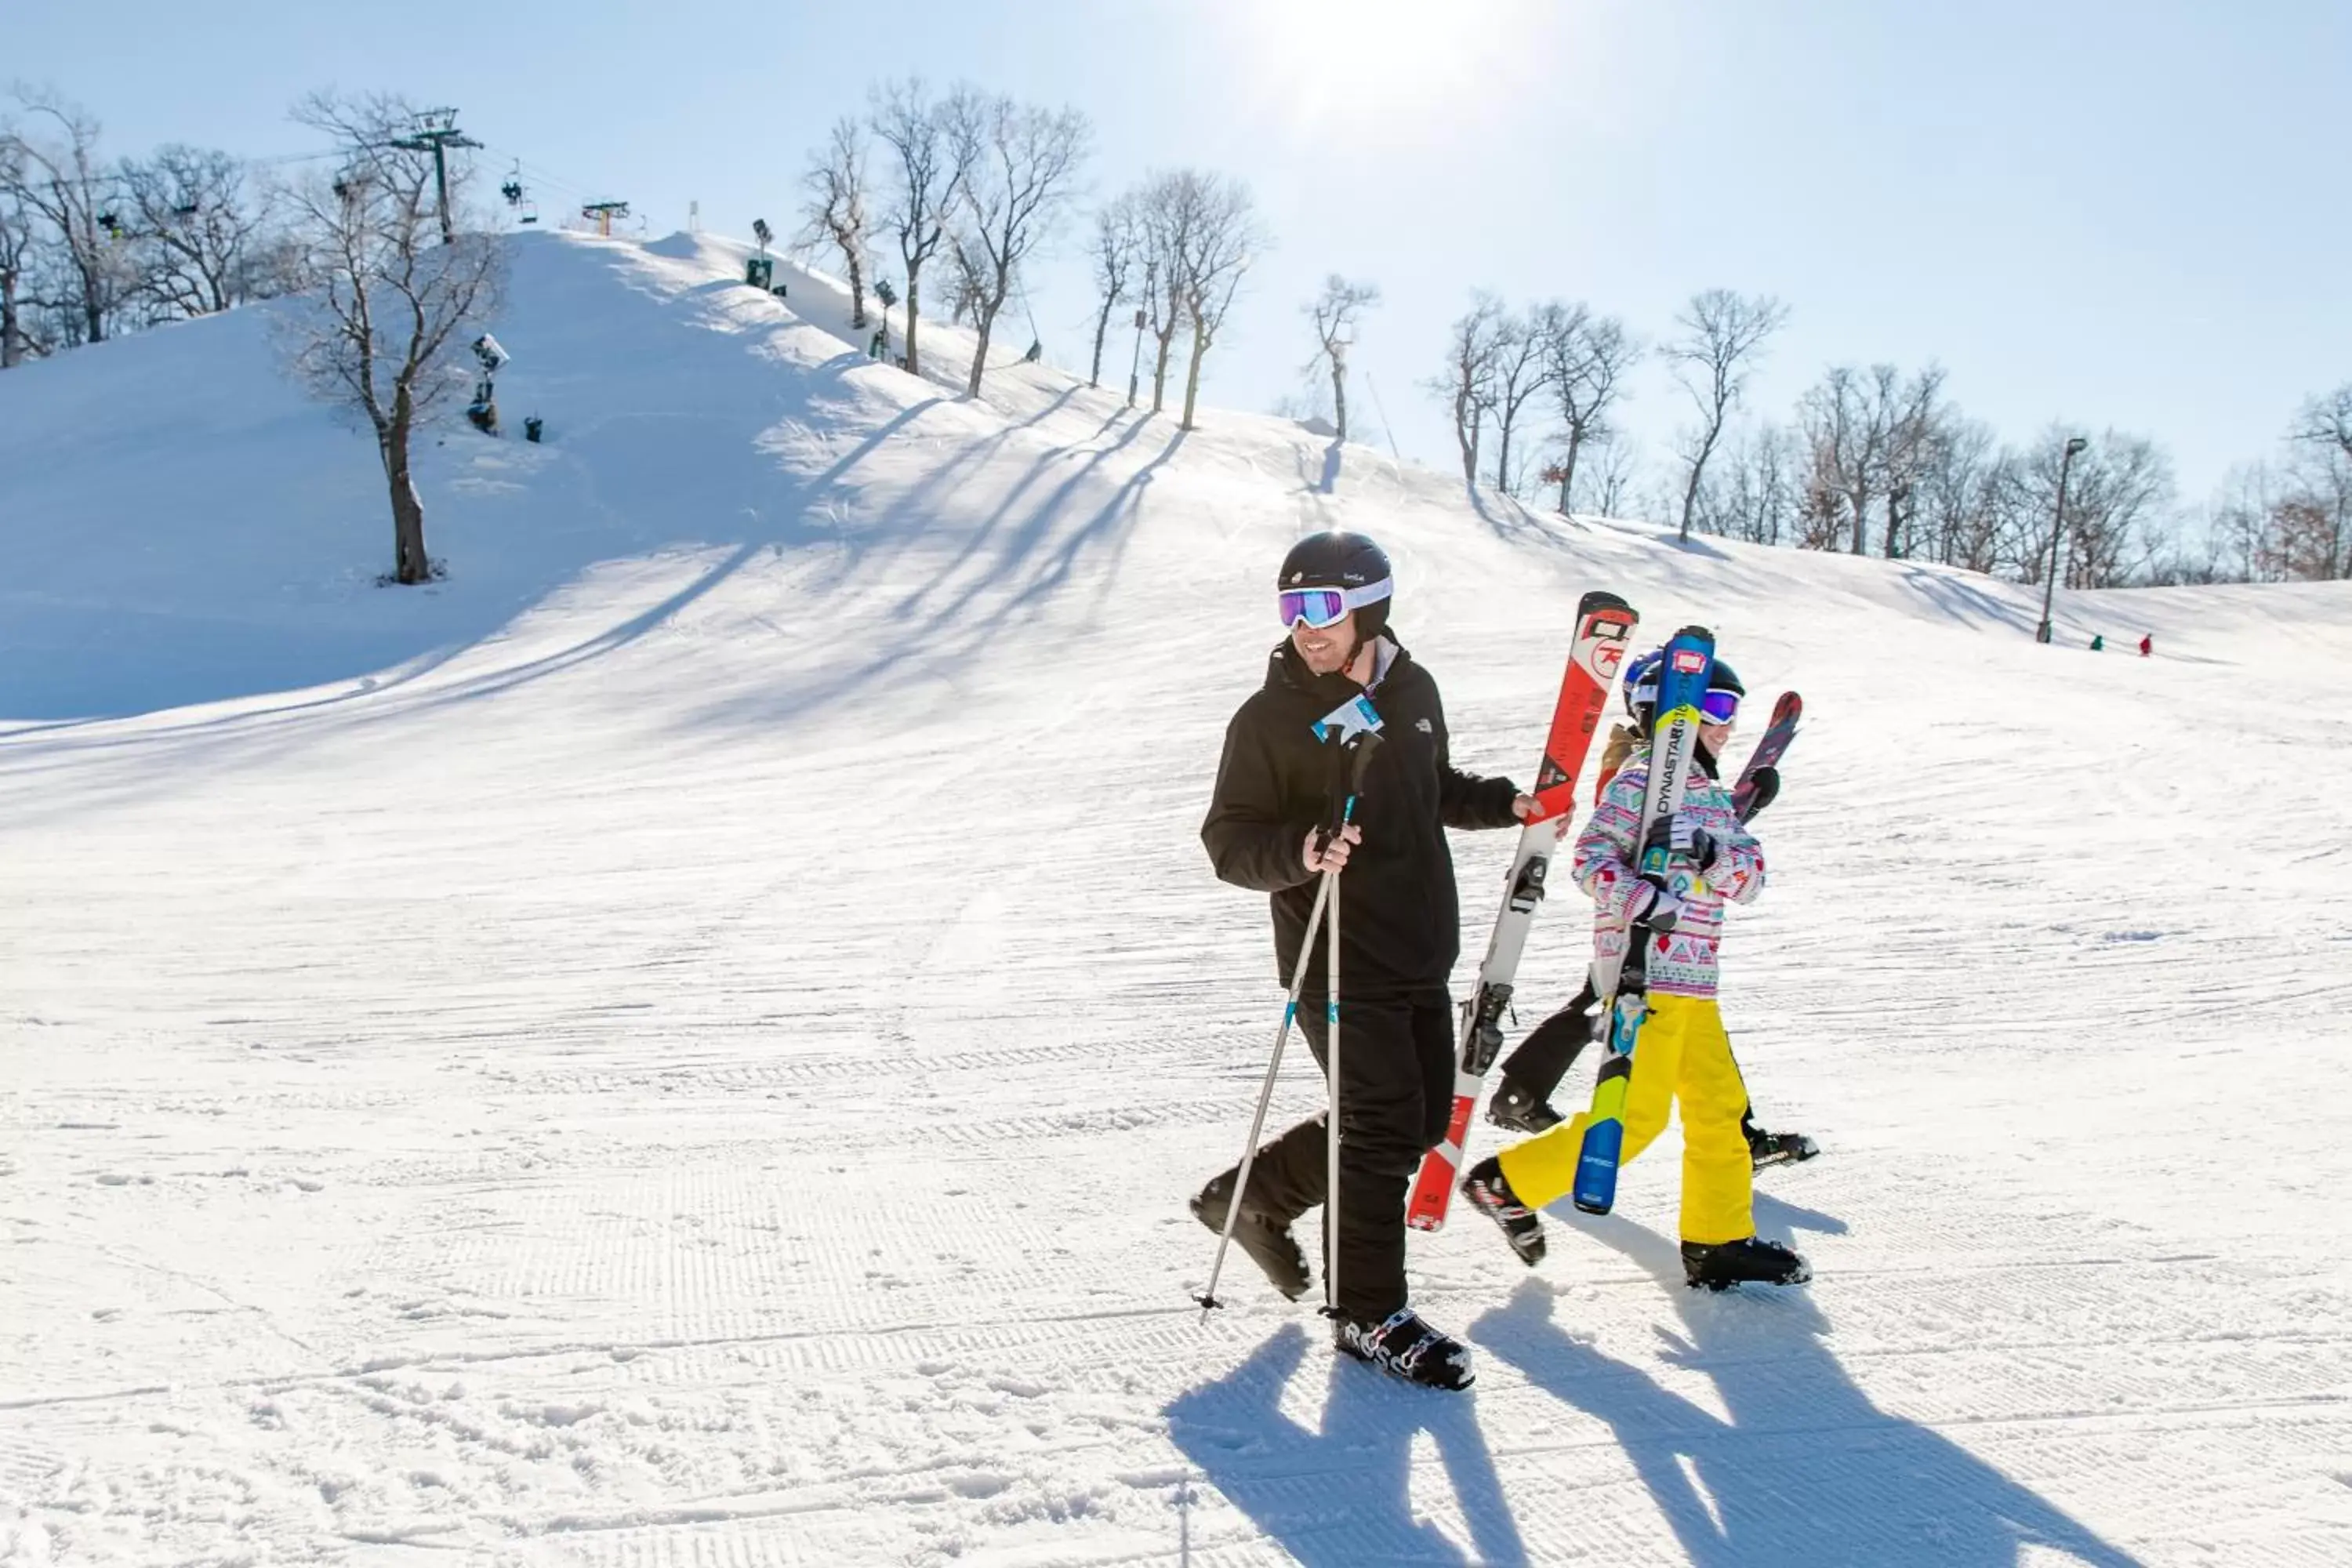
x: 1641, y: 684
x: 1349, y: 561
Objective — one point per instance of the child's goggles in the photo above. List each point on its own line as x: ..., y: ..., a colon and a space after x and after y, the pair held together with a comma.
x: 1321, y: 607
x: 1719, y: 707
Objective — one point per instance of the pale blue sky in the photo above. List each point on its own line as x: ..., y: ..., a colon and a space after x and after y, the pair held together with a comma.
x: 2109, y: 213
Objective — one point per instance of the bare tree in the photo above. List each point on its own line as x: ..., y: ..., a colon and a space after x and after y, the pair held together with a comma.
x: 1956, y: 492
x: 2116, y: 495
x: 1520, y: 364
x: 1335, y: 312
x: 1757, y: 492
x: 966, y: 280
x: 1723, y: 333
x: 1169, y: 207
x: 836, y: 212
x: 1468, y: 380
x: 1616, y: 464
x: 2309, y: 532
x: 203, y: 232
x: 1867, y: 433
x: 2238, y: 529
x: 1119, y: 246
x: 2326, y: 421
x: 16, y: 224
x: 1586, y: 358
x: 923, y: 183
x: 1020, y: 165
x: 390, y: 309
x: 57, y: 173
x: 1222, y: 242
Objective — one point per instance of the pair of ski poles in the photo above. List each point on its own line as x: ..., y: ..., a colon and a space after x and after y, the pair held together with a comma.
x: 1327, y: 899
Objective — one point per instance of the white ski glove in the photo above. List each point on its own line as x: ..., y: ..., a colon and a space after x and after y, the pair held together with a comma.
x: 1652, y: 904
x: 1686, y: 840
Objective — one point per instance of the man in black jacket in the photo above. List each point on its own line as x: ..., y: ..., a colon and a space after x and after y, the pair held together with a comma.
x: 1275, y: 785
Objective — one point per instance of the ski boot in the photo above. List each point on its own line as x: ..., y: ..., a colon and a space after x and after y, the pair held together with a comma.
x: 1491, y: 1195
x: 1267, y: 1240
x: 1721, y: 1266
x: 1778, y: 1148
x: 1521, y: 1110
x: 1404, y: 1347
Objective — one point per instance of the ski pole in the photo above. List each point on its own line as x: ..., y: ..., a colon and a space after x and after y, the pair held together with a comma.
x: 1208, y: 1296
x: 1364, y: 744
x: 1326, y: 894
x: 1331, y: 1139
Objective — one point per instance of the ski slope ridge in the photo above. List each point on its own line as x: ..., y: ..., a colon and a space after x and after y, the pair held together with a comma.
x: 687, y: 1040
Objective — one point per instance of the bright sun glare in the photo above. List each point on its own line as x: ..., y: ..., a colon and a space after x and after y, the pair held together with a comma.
x: 1340, y: 64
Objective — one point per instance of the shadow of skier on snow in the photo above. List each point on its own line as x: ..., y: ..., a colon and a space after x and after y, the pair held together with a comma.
x: 1343, y: 1496
x: 1806, y: 1468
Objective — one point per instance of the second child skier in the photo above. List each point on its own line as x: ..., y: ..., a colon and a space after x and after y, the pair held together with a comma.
x: 1681, y: 1053
x: 1532, y: 1073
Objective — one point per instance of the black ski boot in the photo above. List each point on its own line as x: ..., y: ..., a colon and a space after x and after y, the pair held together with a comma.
x: 1491, y: 1195
x: 1778, y: 1148
x: 1521, y: 1108
x: 1267, y: 1240
x: 1720, y: 1267
x: 1405, y: 1347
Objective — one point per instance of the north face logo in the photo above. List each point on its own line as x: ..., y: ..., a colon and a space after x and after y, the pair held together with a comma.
x: 1425, y: 727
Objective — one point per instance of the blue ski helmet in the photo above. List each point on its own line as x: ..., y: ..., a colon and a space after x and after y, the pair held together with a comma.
x: 1641, y: 684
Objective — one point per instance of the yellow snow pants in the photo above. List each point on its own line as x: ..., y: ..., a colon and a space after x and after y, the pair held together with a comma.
x: 1681, y: 1053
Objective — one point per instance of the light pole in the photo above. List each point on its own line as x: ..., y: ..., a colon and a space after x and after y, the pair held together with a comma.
x: 1135, y: 364
x: 2058, y: 533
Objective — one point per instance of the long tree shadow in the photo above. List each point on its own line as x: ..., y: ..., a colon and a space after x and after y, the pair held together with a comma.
x: 1804, y: 1468
x: 1332, y: 454
x: 1971, y: 604
x: 1342, y: 1496
x: 1033, y: 558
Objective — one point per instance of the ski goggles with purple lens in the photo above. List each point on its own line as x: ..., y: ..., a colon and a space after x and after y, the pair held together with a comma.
x: 1321, y: 607
x: 1719, y: 707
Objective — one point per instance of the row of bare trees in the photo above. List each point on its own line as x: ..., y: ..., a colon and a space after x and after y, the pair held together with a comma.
x: 979, y: 178
x: 1569, y: 367
x: 976, y: 176
x: 984, y: 184
x: 92, y: 247
x: 1872, y: 459
x: 1871, y: 465
x: 2288, y: 518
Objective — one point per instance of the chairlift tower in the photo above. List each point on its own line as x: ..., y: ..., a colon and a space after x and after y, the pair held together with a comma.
x: 602, y: 213
x: 436, y: 131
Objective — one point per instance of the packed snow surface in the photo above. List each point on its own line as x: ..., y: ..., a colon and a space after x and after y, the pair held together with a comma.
x: 688, y: 1042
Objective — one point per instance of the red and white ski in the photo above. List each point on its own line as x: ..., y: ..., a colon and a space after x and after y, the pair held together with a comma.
x: 1604, y: 623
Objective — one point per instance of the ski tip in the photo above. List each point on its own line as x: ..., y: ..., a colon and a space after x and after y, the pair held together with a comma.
x: 1596, y: 600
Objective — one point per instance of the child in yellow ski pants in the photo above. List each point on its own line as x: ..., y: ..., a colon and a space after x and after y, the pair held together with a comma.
x: 1680, y: 1052
x: 1683, y: 1054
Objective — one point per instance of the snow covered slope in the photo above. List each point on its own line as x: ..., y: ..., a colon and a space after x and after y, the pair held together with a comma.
x: 687, y: 1041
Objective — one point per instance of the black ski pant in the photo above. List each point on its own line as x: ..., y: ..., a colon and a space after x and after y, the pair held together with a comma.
x: 1543, y: 1059
x: 1551, y: 1048
x: 1396, y: 1088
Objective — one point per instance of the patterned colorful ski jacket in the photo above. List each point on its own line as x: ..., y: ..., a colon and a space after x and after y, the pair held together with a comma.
x: 1682, y: 961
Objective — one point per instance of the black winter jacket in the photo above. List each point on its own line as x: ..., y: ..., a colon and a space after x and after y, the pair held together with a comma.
x: 1401, y: 926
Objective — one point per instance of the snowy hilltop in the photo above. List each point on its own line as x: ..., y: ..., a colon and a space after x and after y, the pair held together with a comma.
x: 690, y: 1038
